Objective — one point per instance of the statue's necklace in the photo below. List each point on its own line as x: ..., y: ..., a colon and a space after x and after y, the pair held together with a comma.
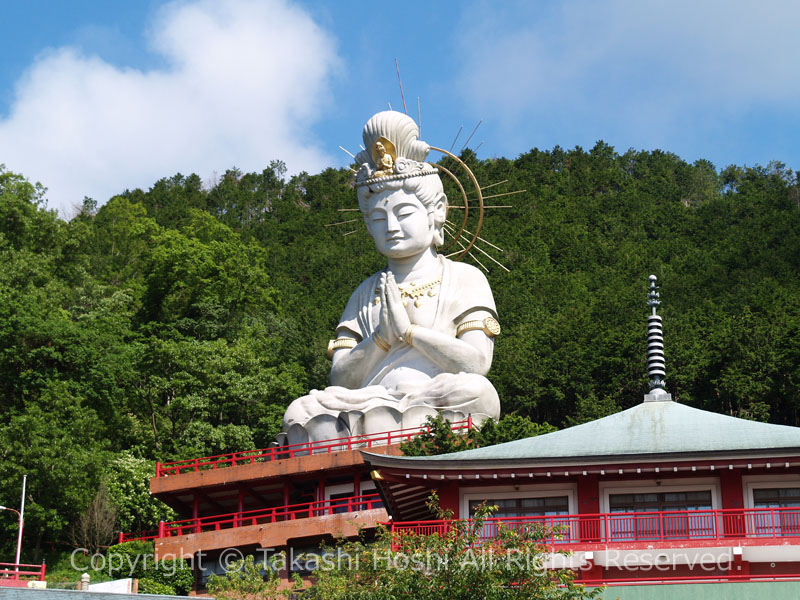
x: 415, y: 291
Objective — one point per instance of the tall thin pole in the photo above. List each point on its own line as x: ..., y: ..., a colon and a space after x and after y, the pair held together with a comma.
x: 402, y: 94
x: 21, y: 521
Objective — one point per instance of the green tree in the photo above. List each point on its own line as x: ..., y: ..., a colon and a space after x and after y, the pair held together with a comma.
x: 439, y: 439
x: 128, y: 482
x: 509, y: 428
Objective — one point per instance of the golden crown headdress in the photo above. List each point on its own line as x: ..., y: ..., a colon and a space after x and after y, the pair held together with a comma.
x: 393, y: 150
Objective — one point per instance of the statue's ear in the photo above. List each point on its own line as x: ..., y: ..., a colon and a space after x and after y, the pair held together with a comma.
x: 440, y: 210
x: 439, y: 218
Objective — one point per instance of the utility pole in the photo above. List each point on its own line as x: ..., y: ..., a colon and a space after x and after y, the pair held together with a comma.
x: 21, y: 519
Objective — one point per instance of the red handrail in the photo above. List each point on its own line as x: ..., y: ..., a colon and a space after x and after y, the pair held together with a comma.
x: 256, y: 517
x: 14, y: 571
x: 384, y: 438
x: 656, y: 526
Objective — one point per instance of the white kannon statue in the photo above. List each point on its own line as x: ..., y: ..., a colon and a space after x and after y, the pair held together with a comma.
x: 415, y: 338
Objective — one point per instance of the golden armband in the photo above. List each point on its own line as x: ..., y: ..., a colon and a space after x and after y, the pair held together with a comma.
x: 338, y: 343
x: 489, y: 326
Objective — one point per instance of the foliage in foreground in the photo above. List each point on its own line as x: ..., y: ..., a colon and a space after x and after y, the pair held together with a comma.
x: 130, y: 559
x: 453, y: 564
x: 247, y: 580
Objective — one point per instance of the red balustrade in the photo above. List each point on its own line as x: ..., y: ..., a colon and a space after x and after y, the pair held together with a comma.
x: 608, y: 528
x: 257, y: 517
x: 13, y: 571
x: 246, y: 457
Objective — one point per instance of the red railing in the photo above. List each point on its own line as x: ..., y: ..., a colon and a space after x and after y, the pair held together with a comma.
x: 257, y: 517
x: 247, y: 457
x: 608, y: 528
x: 13, y: 571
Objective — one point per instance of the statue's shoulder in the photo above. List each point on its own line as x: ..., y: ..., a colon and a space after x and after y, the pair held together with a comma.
x: 462, y: 272
x: 468, y: 290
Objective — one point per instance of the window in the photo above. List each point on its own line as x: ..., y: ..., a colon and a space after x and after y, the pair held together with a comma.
x: 339, y: 502
x: 520, y: 514
x: 782, y: 521
x: 338, y: 496
x: 664, y: 501
x: 663, y: 517
x: 523, y: 507
x: 776, y: 497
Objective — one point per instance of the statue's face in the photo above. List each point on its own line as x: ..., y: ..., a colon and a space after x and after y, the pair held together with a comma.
x: 400, y: 224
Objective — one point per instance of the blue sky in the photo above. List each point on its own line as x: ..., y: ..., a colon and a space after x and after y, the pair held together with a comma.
x: 99, y: 96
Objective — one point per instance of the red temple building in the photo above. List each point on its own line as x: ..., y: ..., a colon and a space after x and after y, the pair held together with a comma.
x: 659, y: 491
x: 287, y: 498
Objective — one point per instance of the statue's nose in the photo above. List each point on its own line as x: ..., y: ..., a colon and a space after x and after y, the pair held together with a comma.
x: 392, y: 224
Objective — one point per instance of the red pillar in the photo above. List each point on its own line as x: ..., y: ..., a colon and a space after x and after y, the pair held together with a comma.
x: 286, y: 493
x: 448, y: 498
x: 730, y: 483
x: 239, y: 508
x: 321, y: 496
x: 196, y: 513
x: 588, y: 494
x: 591, y: 528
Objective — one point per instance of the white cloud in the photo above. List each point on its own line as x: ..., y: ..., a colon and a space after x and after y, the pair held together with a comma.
x: 242, y: 83
x: 646, y: 71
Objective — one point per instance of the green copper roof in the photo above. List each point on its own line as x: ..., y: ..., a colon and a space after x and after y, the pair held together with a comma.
x: 650, y: 428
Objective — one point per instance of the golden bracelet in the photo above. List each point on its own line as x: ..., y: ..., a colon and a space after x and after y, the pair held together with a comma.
x: 489, y: 326
x: 408, y: 336
x: 380, y: 342
x: 339, y: 343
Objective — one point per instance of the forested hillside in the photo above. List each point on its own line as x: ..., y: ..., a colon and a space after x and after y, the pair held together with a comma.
x: 180, y: 321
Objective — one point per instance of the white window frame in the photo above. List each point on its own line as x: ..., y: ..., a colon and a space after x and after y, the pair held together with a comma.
x: 754, y: 482
x: 650, y: 486
x: 343, y: 488
x: 339, y: 488
x: 656, y: 486
x: 570, y: 490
